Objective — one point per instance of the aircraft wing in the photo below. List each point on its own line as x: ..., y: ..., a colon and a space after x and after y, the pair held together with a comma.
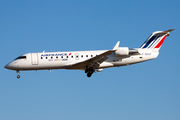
x: 92, y: 62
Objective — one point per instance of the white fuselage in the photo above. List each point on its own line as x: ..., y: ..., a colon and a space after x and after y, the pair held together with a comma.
x: 64, y: 60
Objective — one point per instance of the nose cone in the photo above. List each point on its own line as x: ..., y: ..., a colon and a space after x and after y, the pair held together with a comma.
x: 8, y: 66
x: 11, y: 66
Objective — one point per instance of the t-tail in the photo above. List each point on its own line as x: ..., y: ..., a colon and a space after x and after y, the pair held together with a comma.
x: 156, y: 40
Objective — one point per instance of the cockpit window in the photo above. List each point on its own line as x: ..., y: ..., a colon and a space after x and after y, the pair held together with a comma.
x: 21, y: 57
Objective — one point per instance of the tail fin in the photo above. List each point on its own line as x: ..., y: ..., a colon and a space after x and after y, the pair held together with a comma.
x: 155, y: 40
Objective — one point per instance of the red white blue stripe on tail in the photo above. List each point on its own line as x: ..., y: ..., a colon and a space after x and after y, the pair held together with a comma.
x: 156, y: 39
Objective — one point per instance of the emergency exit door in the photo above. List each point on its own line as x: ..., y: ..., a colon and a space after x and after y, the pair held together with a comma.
x: 34, y: 58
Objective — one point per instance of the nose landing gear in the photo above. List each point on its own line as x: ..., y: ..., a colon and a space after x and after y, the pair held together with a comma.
x: 18, y: 76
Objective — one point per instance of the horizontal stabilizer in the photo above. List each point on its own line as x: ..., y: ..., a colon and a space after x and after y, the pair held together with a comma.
x: 168, y: 31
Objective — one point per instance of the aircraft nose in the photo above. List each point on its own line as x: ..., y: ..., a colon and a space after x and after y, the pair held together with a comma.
x: 10, y: 66
x: 7, y: 66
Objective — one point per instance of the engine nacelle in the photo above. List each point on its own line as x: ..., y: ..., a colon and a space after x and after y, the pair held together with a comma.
x: 122, y: 51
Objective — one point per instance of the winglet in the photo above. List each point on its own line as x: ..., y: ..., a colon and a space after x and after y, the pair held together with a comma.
x: 116, y: 46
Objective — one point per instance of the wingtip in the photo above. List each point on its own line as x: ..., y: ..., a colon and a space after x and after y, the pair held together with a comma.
x: 116, y: 46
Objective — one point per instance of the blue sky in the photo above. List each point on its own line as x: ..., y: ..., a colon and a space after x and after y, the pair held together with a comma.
x: 143, y: 91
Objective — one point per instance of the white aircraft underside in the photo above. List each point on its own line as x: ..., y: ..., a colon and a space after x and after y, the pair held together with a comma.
x: 91, y: 61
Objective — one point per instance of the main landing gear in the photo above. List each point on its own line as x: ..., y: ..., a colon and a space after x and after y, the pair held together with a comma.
x: 89, y: 72
x: 18, y: 76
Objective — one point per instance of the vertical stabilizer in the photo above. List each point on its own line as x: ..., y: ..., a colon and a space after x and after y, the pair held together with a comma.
x: 156, y: 40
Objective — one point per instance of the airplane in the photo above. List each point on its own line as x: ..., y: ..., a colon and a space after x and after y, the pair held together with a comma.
x: 91, y: 61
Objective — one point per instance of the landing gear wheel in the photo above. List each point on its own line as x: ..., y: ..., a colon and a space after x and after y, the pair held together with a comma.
x: 86, y: 70
x: 89, y: 74
x: 18, y: 76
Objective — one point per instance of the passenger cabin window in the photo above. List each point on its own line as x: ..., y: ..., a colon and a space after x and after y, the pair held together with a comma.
x: 61, y: 56
x: 91, y: 55
x: 56, y: 57
x: 67, y: 56
x: 41, y: 57
x: 46, y: 57
x: 82, y: 56
x: 21, y: 57
x: 71, y: 56
x: 51, y: 57
x: 86, y: 55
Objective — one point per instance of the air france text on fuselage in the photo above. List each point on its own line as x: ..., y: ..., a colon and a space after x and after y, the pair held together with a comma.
x: 62, y: 54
